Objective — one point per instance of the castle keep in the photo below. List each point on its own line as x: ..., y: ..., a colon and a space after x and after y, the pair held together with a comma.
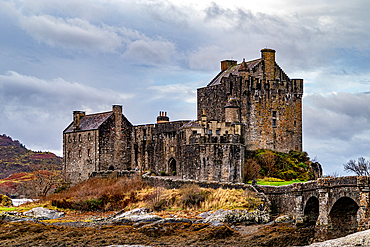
x: 247, y: 106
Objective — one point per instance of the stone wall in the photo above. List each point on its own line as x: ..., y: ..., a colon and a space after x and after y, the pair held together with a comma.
x: 80, y: 154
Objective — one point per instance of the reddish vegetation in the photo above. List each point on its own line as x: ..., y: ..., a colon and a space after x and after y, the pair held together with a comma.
x: 43, y: 156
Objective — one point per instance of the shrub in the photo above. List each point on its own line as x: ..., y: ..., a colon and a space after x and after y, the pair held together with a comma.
x: 162, y: 173
x: 174, y: 173
x: 192, y: 196
x: 98, y: 194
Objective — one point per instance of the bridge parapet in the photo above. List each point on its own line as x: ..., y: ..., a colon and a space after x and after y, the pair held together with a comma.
x: 338, y: 206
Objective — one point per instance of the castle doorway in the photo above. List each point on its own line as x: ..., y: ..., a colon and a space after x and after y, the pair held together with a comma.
x: 172, y: 166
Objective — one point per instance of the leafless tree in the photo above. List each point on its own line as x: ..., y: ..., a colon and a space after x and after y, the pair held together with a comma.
x: 41, y: 183
x: 361, y: 167
x: 268, y: 159
x: 251, y: 168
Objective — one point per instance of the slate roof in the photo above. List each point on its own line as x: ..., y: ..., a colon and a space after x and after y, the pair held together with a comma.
x: 234, y: 70
x: 90, y: 122
x: 191, y: 124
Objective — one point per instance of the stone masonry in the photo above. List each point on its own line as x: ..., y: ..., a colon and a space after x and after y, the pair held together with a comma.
x: 247, y: 106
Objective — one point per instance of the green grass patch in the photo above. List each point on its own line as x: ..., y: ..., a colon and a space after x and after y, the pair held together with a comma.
x: 276, y: 181
x: 7, y: 209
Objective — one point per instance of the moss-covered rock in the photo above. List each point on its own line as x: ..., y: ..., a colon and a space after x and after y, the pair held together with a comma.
x: 5, y: 201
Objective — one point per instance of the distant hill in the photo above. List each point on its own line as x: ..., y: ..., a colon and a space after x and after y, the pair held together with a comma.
x: 16, y: 161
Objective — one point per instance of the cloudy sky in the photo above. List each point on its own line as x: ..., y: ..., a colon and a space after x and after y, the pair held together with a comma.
x: 150, y: 56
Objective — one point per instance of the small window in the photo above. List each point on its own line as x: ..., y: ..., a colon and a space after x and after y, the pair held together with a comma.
x: 79, y: 154
x: 217, y: 132
x: 226, y: 132
x: 74, y: 138
x: 194, y: 132
x: 295, y: 123
x: 79, y: 138
x: 273, y: 122
x: 210, y: 132
x: 69, y: 139
x: 128, y: 145
x: 88, y: 137
x: 274, y: 114
x: 88, y: 152
x: 153, y: 137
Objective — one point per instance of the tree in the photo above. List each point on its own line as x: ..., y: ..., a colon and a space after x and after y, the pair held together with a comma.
x: 251, y: 168
x: 41, y: 183
x: 361, y: 168
x: 268, y: 160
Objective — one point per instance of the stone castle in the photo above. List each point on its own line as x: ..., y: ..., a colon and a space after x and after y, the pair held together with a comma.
x: 247, y: 106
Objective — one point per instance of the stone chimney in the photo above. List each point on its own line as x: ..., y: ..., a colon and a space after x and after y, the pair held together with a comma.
x: 77, y: 115
x: 227, y: 63
x: 118, y: 146
x: 268, y: 56
x: 162, y: 118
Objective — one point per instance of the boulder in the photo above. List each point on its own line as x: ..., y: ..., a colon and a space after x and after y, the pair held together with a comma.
x: 43, y: 213
x: 355, y: 239
x: 237, y: 216
x: 136, y: 215
x: 5, y: 201
x: 284, y: 219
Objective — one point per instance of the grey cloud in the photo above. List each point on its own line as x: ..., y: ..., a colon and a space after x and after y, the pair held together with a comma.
x: 336, y: 128
x: 36, y: 111
x: 72, y: 33
x: 149, y: 52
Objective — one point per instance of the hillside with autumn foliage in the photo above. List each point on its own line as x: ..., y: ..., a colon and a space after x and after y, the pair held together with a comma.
x: 18, y: 164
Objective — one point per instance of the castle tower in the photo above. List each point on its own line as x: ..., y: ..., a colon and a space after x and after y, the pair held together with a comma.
x: 232, y: 111
x: 268, y: 56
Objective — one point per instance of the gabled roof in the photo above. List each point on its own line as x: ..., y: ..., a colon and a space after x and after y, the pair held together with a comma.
x: 234, y: 70
x: 90, y: 122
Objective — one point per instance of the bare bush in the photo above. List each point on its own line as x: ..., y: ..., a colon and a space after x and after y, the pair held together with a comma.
x: 251, y: 169
x: 268, y: 159
x: 361, y: 167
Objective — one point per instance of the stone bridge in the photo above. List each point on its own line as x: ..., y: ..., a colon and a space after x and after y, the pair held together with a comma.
x: 337, y: 206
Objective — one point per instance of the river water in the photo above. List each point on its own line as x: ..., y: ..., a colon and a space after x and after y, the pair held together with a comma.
x: 17, y: 202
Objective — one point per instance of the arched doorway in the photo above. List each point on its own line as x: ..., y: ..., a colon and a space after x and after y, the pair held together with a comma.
x: 172, y: 166
x: 111, y: 168
x: 342, y: 218
x: 311, y: 210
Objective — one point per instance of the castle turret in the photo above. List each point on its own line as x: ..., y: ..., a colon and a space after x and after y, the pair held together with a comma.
x: 77, y: 115
x: 268, y: 56
x: 162, y: 118
x: 232, y: 111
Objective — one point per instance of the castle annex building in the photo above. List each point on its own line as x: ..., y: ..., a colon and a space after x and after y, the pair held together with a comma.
x: 247, y: 106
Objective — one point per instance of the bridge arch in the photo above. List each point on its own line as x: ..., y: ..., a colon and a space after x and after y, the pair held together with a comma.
x: 311, y: 210
x: 342, y: 219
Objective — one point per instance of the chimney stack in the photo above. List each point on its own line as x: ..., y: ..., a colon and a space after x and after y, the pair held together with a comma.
x: 225, y: 64
x: 268, y: 56
x: 162, y: 118
x: 77, y: 115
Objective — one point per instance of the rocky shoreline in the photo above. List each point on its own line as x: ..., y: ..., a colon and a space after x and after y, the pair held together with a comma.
x: 142, y: 227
